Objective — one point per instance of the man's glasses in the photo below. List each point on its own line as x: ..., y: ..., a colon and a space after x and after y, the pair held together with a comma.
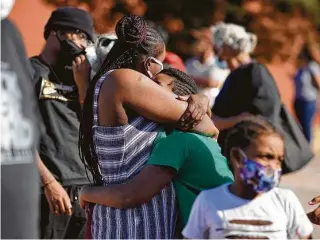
x: 77, y: 35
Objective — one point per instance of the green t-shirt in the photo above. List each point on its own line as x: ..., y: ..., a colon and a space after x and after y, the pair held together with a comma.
x: 198, y: 162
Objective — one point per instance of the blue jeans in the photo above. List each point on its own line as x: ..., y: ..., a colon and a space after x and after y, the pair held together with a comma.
x: 305, y: 111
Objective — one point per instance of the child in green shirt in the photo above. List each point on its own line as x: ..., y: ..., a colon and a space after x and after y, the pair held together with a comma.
x: 191, y: 160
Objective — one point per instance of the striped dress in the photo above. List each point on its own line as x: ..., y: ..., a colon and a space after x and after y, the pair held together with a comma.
x: 122, y: 152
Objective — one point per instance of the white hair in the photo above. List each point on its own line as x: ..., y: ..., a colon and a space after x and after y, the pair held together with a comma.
x: 234, y: 36
x: 97, y: 52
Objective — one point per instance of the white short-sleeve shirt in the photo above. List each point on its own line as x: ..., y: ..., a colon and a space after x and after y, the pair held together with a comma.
x: 277, y: 214
x: 207, y: 70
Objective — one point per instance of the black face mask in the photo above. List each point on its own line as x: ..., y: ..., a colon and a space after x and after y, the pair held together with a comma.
x: 68, y: 51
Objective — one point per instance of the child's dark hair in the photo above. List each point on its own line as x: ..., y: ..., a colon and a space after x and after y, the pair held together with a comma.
x: 246, y: 132
x: 183, y: 83
x: 136, y: 41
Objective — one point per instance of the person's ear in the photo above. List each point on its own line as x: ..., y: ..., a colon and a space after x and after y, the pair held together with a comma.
x: 53, y: 40
x: 53, y: 33
x: 147, y: 66
x: 235, y: 157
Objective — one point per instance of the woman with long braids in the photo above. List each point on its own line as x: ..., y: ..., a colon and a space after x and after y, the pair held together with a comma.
x: 192, y: 161
x: 116, y: 140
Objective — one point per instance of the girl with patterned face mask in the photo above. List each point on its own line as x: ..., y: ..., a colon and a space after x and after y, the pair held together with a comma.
x: 252, y: 207
x: 255, y: 151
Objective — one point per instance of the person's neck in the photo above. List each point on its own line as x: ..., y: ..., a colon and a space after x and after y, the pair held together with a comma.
x: 233, y: 63
x: 49, y: 56
x: 205, y: 56
x: 241, y: 190
x: 244, y: 58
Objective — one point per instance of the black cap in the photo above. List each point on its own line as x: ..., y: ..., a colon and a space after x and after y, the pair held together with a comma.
x: 70, y: 17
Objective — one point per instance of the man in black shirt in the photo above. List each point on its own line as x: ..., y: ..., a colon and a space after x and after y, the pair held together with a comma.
x: 68, y: 32
x: 20, y: 125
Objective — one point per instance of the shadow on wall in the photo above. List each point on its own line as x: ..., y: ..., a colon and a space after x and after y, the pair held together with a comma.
x: 30, y: 16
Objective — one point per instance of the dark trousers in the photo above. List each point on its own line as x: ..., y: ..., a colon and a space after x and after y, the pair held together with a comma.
x: 63, y: 227
x: 305, y: 111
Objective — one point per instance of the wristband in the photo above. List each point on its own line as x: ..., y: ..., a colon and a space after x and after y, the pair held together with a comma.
x: 45, y: 185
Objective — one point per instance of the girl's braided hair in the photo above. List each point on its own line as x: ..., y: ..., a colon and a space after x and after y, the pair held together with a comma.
x: 183, y: 83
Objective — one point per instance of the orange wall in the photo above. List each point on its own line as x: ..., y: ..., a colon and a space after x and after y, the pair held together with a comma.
x: 30, y: 16
x: 285, y: 85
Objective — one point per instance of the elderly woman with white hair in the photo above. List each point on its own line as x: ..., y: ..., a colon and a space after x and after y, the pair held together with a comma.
x: 233, y: 44
x: 250, y: 88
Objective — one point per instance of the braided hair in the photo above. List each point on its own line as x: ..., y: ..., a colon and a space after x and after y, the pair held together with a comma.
x: 136, y: 41
x: 246, y: 132
x: 183, y: 83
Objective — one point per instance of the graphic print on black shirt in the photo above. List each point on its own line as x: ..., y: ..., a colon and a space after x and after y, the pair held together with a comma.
x: 60, y: 109
x: 50, y: 90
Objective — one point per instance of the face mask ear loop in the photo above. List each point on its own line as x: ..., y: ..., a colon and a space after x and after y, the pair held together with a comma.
x: 150, y: 74
x: 146, y: 68
x: 245, y: 157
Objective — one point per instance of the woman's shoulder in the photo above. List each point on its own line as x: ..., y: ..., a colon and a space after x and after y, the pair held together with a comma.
x: 118, y: 74
x: 123, y: 77
x: 261, y: 75
x: 245, y: 71
x: 254, y: 65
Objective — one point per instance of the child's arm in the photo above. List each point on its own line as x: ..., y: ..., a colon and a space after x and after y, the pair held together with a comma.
x: 299, y: 226
x: 149, y: 182
x: 197, y: 227
x: 164, y: 163
x: 314, y: 216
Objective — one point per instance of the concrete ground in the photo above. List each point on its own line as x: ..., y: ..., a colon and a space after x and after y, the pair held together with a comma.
x: 306, y: 183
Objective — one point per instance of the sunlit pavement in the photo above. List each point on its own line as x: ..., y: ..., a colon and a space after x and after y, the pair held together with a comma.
x: 306, y: 183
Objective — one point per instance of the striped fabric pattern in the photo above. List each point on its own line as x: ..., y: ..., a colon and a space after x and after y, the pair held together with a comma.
x: 122, y: 152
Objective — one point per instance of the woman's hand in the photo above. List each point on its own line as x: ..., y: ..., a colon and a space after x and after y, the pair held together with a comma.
x: 198, y: 107
x: 314, y: 216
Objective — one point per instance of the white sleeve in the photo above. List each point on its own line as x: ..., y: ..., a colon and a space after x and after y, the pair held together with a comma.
x: 197, y: 225
x: 218, y: 74
x: 314, y: 68
x: 298, y: 223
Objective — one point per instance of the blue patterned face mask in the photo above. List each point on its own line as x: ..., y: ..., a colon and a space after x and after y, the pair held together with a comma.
x: 261, y: 178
